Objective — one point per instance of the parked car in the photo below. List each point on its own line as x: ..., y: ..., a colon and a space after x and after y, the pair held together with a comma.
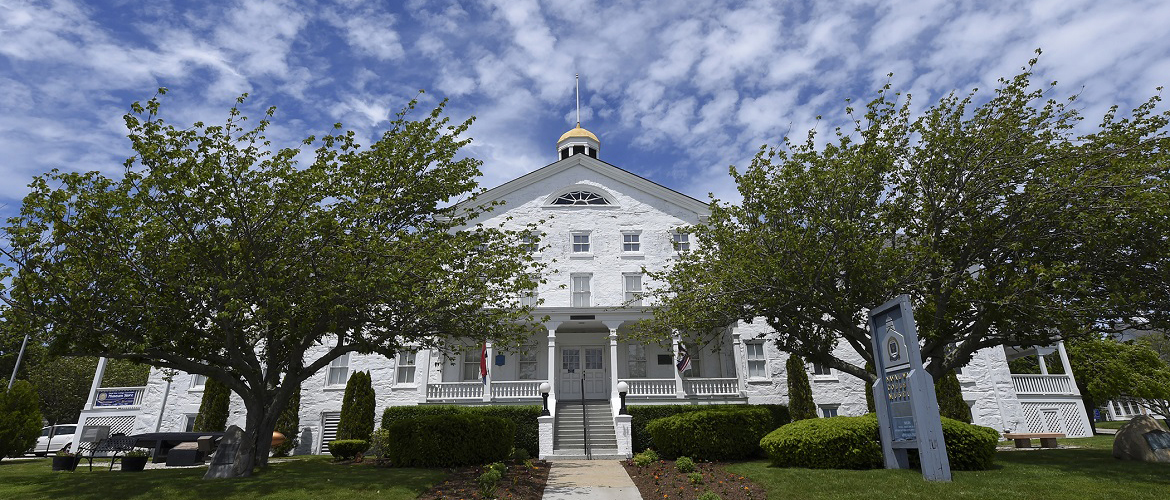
x: 54, y: 438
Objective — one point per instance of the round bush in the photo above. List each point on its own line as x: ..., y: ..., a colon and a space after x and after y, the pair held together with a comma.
x: 969, y: 447
x: 826, y: 443
x: 450, y: 440
x: 711, y: 434
x: 342, y: 449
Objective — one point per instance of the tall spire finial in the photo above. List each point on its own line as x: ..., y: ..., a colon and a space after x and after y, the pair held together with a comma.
x: 577, y: 78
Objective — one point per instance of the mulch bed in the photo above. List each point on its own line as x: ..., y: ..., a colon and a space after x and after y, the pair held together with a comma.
x: 520, y: 482
x: 662, y: 480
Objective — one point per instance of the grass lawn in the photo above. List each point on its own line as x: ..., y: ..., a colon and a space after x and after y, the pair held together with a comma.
x: 1088, y: 472
x: 306, y: 478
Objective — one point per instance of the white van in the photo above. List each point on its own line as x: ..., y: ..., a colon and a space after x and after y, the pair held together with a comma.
x: 54, y: 438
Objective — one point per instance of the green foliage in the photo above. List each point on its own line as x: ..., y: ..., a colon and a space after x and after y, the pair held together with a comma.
x: 450, y: 440
x: 344, y: 449
x: 642, y: 415
x: 357, y: 408
x: 645, y: 458
x: 1107, y: 369
x: 695, y: 477
x: 487, y: 482
x: 289, y: 424
x: 800, y: 398
x: 523, y: 416
x: 710, y: 495
x: 826, y: 443
x: 969, y: 447
x: 869, y: 404
x: 520, y: 454
x: 950, y: 398
x: 20, y: 419
x: 379, y: 443
x: 712, y: 434
x: 684, y: 465
x: 212, y: 252
x: 213, y: 408
x: 1065, y: 222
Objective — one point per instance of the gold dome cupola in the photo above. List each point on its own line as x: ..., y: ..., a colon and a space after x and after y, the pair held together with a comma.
x: 578, y: 140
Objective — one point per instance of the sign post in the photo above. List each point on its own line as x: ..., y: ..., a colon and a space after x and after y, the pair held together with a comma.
x: 907, y: 408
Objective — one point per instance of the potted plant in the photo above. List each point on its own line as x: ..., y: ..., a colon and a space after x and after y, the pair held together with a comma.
x: 134, y: 460
x: 66, y: 460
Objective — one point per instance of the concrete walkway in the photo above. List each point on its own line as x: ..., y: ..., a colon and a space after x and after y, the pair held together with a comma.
x: 589, y: 480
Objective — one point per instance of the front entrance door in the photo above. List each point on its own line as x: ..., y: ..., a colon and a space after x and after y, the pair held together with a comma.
x: 582, y: 366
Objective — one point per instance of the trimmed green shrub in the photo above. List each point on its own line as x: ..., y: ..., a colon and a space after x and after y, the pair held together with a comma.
x: 524, y: 416
x: 289, y: 424
x: 695, y: 477
x: 644, y: 414
x: 642, y: 459
x: 826, y: 443
x: 450, y: 440
x: 342, y: 449
x: 20, y: 418
x: 651, y: 454
x: 711, y: 434
x: 684, y: 465
x: 213, y: 408
x: 950, y: 398
x: 969, y: 447
x: 710, y: 495
x: 488, y: 481
x: 357, y: 408
x: 800, y: 398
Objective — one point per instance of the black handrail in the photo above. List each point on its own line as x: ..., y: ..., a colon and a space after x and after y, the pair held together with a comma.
x: 584, y: 418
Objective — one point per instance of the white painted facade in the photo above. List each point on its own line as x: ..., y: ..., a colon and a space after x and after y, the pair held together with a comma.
x: 595, y: 254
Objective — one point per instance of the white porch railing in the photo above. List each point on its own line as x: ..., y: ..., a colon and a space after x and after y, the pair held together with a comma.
x: 455, y: 390
x: 516, y: 389
x: 118, y: 397
x: 1042, y: 384
x: 711, y: 386
x: 650, y: 386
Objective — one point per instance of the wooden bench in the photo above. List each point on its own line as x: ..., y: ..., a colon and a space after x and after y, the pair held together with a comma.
x: 112, y: 448
x: 1024, y: 439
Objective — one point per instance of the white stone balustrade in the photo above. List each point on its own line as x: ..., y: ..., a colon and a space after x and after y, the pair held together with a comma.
x: 516, y: 388
x: 650, y: 386
x: 711, y: 386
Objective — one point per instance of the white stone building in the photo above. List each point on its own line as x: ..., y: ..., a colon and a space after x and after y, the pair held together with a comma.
x: 603, y: 226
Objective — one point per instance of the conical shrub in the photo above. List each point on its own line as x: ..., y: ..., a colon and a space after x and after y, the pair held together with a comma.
x: 800, y: 399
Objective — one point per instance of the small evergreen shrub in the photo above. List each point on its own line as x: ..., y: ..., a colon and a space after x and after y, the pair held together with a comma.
x: 695, y: 477
x: 969, y: 447
x: 644, y: 414
x: 450, y: 440
x: 684, y: 465
x: 642, y: 460
x: 826, y: 443
x: 524, y: 416
x: 488, y: 481
x: 710, y: 495
x: 950, y: 398
x: 357, y: 408
x: 213, y: 408
x: 379, y: 443
x: 651, y: 454
x: 343, y: 449
x: 520, y: 454
x: 20, y: 418
x: 800, y: 398
x: 712, y: 434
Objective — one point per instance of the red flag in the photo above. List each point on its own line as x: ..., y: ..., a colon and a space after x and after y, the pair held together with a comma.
x: 483, y: 363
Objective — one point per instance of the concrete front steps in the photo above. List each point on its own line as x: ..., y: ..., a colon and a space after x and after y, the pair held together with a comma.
x: 569, y: 431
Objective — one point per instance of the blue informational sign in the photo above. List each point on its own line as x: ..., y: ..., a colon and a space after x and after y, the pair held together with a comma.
x: 904, y: 397
x: 115, y: 398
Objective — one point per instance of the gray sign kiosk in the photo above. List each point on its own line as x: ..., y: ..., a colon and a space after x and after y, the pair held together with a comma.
x: 907, y: 408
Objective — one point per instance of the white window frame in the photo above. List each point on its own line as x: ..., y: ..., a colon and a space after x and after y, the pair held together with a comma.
x: 576, y: 293
x: 632, y: 297
x: 198, y: 382
x: 189, y: 422
x: 827, y: 409
x: 405, y: 363
x: 338, y: 365
x: 530, y: 241
x: 632, y: 360
x: 531, y: 297
x: 760, y: 361
x: 470, y: 365
x: 822, y: 373
x: 528, y: 356
x: 583, y: 248
x: 631, y: 243
x: 680, y: 241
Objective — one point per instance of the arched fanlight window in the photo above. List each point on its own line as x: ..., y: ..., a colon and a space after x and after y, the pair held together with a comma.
x: 580, y: 198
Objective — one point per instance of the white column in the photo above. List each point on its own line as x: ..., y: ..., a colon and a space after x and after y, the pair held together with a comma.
x: 1072, y: 382
x: 97, y: 383
x: 737, y: 353
x: 423, y: 357
x: 1043, y: 364
x: 489, y: 359
x: 552, y: 364
x: 614, y: 399
x: 678, y: 380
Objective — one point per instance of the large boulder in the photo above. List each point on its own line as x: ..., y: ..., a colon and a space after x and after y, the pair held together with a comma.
x: 1144, y: 439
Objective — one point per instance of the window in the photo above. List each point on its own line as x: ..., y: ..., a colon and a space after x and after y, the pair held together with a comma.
x: 580, y: 198
x: 757, y: 364
x: 471, y: 358
x: 189, y: 423
x: 822, y: 370
x: 527, y: 362
x: 530, y: 298
x: 581, y: 243
x: 580, y: 290
x: 636, y: 359
x: 198, y: 381
x: 631, y: 242
x: 682, y: 241
x: 405, y: 367
x: 829, y: 411
x: 633, y: 286
x: 339, y: 370
x: 530, y: 242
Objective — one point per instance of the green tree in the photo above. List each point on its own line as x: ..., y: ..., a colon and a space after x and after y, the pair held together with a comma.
x: 949, y: 393
x: 216, y: 254
x: 357, y: 408
x: 1106, y: 369
x: 800, y: 398
x: 289, y: 424
x: 1003, y: 224
x: 20, y: 419
x: 62, y: 383
x: 214, y: 408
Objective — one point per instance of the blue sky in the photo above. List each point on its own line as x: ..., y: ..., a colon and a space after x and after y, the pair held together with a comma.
x: 676, y: 91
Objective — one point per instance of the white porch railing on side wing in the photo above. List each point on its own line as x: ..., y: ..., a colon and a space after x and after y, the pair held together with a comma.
x: 1042, y: 384
x: 650, y: 386
x: 455, y: 390
x: 711, y: 386
x: 516, y: 388
x: 118, y: 397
